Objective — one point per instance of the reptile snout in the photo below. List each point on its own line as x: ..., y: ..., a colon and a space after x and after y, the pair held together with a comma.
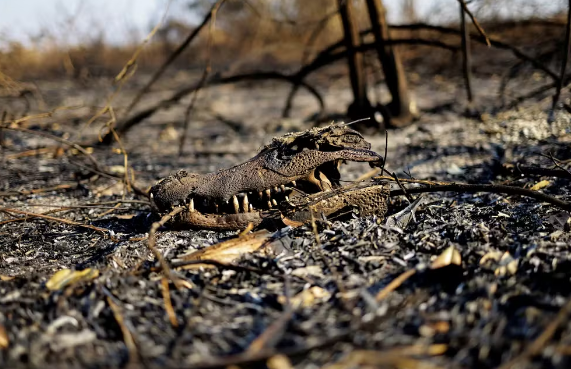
x: 173, y: 190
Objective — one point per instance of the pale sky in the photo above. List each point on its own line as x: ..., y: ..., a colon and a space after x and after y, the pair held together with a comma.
x: 22, y: 19
x: 130, y: 20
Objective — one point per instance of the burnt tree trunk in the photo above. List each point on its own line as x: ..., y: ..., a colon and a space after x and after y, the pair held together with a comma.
x: 361, y: 107
x: 399, y: 109
x: 466, y: 56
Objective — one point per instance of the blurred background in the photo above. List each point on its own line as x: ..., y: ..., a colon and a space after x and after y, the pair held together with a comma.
x: 95, y: 37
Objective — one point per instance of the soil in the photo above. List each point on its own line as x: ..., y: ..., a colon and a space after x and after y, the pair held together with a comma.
x: 511, y: 288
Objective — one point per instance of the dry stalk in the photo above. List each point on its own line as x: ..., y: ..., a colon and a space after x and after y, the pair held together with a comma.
x: 104, y: 231
x: 58, y: 139
x: 168, y: 302
x: 152, y: 241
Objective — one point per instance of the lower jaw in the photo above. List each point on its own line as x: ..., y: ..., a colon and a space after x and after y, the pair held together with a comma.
x: 227, y: 222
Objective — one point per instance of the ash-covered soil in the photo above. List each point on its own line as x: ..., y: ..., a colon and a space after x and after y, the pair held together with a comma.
x: 512, y: 286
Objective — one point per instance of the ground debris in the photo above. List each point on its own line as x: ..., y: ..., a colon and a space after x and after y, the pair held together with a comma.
x: 482, y: 275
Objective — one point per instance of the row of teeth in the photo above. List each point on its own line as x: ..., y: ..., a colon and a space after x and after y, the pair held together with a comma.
x: 244, y: 205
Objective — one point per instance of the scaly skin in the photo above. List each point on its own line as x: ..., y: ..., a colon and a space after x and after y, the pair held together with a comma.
x: 306, y: 159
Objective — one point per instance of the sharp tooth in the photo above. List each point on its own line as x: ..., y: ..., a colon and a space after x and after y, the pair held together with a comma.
x: 236, y: 205
x: 283, y: 188
x: 311, y: 178
x: 216, y: 208
x: 260, y: 194
x: 276, y: 190
x: 293, y: 183
x: 251, y: 208
x: 269, y: 194
x: 151, y: 195
x: 287, y: 198
x: 274, y: 202
x: 269, y: 204
x: 191, y: 205
x: 245, y: 203
x: 325, y: 182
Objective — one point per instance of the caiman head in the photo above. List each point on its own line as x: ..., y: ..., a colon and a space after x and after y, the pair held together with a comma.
x: 291, y: 167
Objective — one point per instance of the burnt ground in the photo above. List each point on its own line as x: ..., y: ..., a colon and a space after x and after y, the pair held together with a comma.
x: 513, y: 281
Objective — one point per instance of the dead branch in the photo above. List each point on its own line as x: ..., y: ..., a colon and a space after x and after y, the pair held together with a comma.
x: 152, y: 241
x: 515, y: 70
x: 215, y: 81
x: 491, y: 188
x: 328, y: 55
x: 536, y: 92
x: 451, y: 31
x: 466, y: 54
x: 176, y: 53
x: 104, y: 231
x: 474, y: 21
x: 528, y: 170
x: 58, y: 139
x: 168, y: 302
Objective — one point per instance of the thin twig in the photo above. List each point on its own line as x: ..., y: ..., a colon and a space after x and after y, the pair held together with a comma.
x: 168, y: 302
x: 419, y: 181
x: 475, y: 21
x: 386, y: 152
x: 403, y: 189
x: 491, y: 188
x: 466, y: 54
x: 395, y: 283
x: 24, y: 219
x: 557, y: 162
x: 104, y: 231
x: 152, y: 241
x: 58, y: 139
